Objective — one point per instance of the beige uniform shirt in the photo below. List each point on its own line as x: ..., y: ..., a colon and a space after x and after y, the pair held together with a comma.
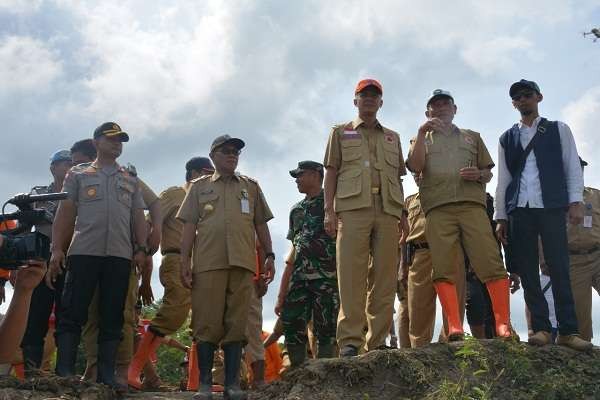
x: 366, y: 159
x: 416, y: 220
x: 105, y: 199
x: 586, y: 237
x: 445, y: 155
x: 226, y: 211
x: 170, y: 201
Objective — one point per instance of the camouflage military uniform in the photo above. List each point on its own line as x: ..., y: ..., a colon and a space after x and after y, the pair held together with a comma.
x: 313, y: 291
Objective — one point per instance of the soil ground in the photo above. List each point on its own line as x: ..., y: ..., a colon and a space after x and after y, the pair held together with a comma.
x: 489, y: 369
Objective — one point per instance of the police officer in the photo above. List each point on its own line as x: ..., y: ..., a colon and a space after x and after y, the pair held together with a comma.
x: 105, y: 212
x: 176, y: 301
x: 363, y: 190
x: 584, y: 257
x: 223, y: 213
x: 313, y: 292
x: 455, y: 166
x: 43, y: 298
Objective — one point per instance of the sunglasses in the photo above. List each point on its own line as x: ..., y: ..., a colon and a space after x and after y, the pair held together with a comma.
x: 526, y: 95
x: 230, y: 151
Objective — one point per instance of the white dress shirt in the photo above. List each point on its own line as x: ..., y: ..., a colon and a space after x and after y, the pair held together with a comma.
x: 530, y: 190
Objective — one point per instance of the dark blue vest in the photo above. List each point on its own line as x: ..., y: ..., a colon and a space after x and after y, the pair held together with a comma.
x: 548, y: 154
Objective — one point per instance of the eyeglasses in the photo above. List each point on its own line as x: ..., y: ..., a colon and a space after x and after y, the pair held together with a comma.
x: 527, y: 95
x: 230, y: 151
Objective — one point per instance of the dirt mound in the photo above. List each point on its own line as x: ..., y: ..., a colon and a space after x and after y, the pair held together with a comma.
x: 489, y: 369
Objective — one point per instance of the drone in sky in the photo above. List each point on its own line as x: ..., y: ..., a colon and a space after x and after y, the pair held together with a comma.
x: 595, y: 32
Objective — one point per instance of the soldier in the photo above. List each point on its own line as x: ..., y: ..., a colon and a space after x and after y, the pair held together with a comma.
x: 223, y: 214
x: 176, y: 301
x: 363, y: 203
x: 105, y: 212
x: 43, y: 298
x: 421, y: 292
x: 539, y: 179
x: 584, y: 257
x: 455, y: 166
x: 313, y: 292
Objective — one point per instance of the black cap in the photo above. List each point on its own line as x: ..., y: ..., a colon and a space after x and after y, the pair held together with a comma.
x: 198, y: 163
x: 307, y: 165
x: 523, y: 84
x: 583, y: 162
x: 225, y: 139
x: 111, y: 129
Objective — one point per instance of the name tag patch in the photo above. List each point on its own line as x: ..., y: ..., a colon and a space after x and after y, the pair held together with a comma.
x: 587, y: 221
x: 350, y: 134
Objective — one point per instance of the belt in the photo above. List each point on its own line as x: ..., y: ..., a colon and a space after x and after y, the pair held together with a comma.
x: 375, y: 190
x: 170, y: 251
x: 582, y: 252
x: 420, y: 246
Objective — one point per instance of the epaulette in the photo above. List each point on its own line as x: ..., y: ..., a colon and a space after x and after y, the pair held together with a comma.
x: 200, y: 178
x: 81, y: 167
x: 249, y: 179
x: 170, y: 189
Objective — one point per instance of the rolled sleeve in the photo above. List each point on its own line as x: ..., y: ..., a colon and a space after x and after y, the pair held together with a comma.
x: 333, y: 152
x: 262, y: 212
x: 189, y: 212
x: 484, y: 159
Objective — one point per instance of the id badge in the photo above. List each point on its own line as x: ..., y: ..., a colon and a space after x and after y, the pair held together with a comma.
x: 587, y: 221
x: 245, y: 206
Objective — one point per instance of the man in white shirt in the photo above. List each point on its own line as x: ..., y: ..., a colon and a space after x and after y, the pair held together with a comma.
x: 539, y: 180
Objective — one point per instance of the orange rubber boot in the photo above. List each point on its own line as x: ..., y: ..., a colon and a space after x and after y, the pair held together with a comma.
x: 446, y: 292
x: 499, y: 291
x: 19, y: 371
x: 148, y: 345
x: 193, y: 371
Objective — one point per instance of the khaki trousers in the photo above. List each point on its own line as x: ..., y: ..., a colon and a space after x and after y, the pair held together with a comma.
x: 449, y: 225
x: 402, y: 320
x: 89, y: 335
x: 585, y: 275
x: 366, y: 289
x: 176, y: 301
x: 422, y: 297
x: 255, y: 350
x: 220, y: 305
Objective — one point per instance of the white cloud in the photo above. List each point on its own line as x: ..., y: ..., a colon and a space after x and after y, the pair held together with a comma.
x: 27, y: 64
x: 488, y: 57
x: 20, y: 6
x: 583, y: 116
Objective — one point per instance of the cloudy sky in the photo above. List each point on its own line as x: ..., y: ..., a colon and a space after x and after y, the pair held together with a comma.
x: 175, y: 74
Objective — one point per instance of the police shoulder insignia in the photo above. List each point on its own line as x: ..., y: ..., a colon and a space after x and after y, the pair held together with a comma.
x: 131, y: 169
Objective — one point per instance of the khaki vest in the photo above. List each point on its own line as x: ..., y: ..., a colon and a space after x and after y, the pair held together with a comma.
x: 582, y: 239
x: 354, y: 176
x: 444, y: 157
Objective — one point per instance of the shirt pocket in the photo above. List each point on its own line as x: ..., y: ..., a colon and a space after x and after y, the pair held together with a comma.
x: 392, y: 156
x: 207, y: 205
x: 125, y: 190
x: 351, y: 150
x: 468, y: 154
x: 349, y: 184
x: 90, y: 190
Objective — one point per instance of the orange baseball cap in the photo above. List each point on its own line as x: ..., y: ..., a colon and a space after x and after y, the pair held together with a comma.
x: 368, y: 82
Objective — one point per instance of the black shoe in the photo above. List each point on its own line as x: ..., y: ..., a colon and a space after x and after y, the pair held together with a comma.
x: 66, y: 354
x: 233, y: 359
x: 297, y: 354
x: 32, y: 358
x: 349, y: 351
x: 206, y: 356
x: 107, y: 355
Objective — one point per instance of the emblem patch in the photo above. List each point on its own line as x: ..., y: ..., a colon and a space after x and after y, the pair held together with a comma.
x: 91, y: 192
x: 388, y: 138
x: 469, y: 140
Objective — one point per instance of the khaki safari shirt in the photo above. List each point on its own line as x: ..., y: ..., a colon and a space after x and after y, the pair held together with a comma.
x: 416, y: 220
x: 445, y: 155
x: 368, y: 161
x: 105, y: 199
x: 226, y: 211
x: 585, y: 238
x: 170, y: 201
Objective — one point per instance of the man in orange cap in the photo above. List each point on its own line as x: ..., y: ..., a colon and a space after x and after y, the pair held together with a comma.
x: 363, y: 204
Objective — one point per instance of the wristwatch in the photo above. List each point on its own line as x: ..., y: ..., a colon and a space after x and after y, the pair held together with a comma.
x: 143, y: 249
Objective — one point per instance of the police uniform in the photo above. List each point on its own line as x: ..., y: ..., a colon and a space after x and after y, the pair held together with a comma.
x: 584, y: 257
x: 90, y: 330
x: 313, y: 292
x: 368, y: 202
x: 225, y: 211
x: 421, y: 292
x: 455, y: 212
x: 100, y: 256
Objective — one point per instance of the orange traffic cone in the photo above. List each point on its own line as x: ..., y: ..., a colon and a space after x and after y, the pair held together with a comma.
x: 499, y: 290
x: 148, y: 345
x: 446, y: 292
x: 193, y: 372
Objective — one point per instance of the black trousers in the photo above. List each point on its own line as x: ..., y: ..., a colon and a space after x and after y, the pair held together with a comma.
x: 42, y: 300
x: 84, y: 274
x: 479, y: 306
x: 526, y: 224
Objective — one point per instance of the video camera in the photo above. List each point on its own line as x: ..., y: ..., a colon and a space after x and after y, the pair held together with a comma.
x: 21, y: 244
